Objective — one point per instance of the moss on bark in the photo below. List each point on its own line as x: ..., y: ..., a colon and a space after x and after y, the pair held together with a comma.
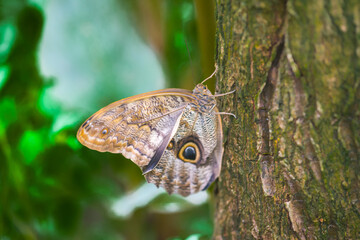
x: 291, y: 161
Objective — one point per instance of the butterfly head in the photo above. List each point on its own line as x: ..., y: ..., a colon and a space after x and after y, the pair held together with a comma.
x: 201, y: 89
x: 206, y: 100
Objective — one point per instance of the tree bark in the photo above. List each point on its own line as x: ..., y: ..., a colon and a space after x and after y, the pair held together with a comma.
x: 291, y: 162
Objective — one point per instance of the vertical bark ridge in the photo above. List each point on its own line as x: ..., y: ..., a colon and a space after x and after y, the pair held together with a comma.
x: 292, y: 156
x: 265, y: 104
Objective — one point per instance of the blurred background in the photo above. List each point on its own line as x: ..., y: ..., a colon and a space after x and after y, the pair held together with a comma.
x: 62, y: 60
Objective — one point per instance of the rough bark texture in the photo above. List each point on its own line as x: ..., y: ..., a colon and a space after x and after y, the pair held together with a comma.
x: 291, y: 161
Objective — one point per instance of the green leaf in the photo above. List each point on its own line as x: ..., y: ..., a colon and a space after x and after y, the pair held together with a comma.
x: 194, y: 237
x: 73, y: 143
x: 7, y: 113
x: 31, y: 144
x: 4, y: 74
x: 7, y: 38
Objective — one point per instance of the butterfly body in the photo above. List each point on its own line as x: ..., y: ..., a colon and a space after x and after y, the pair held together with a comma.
x: 173, y: 135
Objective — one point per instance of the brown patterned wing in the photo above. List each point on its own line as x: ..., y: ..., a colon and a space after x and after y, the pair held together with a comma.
x: 138, y: 127
x: 186, y: 172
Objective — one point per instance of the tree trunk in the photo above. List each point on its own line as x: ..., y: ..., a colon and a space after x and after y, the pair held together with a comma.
x: 291, y: 160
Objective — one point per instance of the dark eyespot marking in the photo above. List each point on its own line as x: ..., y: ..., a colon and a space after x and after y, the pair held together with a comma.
x: 171, y: 145
x: 105, y: 131
x: 189, y: 152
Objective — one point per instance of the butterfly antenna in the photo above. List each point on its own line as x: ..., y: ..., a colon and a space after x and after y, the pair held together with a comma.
x: 216, y: 68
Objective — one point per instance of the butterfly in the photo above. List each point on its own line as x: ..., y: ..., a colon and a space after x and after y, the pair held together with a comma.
x: 174, y: 135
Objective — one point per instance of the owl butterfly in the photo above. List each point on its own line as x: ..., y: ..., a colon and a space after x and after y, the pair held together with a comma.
x: 173, y: 135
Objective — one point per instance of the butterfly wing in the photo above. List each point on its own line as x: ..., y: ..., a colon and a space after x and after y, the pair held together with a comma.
x: 179, y: 170
x: 139, y: 127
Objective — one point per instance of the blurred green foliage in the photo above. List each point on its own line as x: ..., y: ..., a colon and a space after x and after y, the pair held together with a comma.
x: 50, y: 186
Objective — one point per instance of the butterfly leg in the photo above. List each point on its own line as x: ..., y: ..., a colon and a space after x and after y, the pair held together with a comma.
x: 226, y: 113
x: 224, y: 94
x: 192, y: 128
x: 188, y: 126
